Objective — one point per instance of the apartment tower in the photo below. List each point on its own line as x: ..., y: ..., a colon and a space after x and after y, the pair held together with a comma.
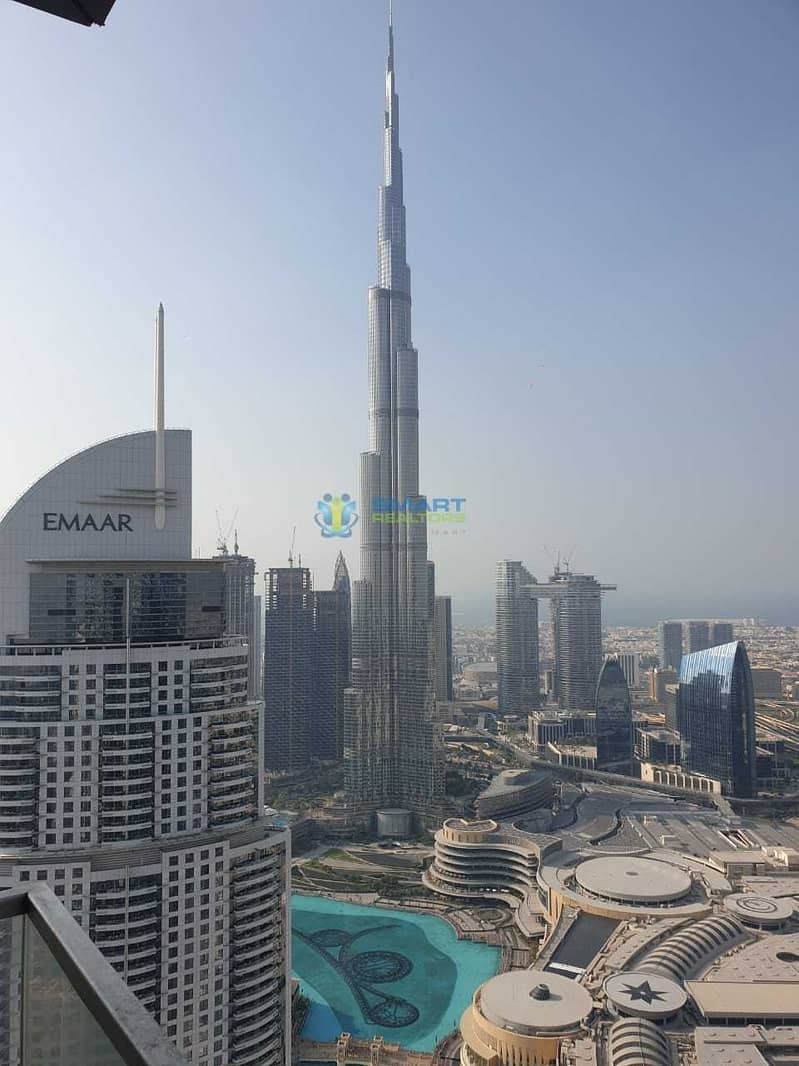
x: 518, y: 680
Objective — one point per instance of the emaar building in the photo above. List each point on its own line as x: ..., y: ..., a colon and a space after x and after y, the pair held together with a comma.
x: 131, y: 762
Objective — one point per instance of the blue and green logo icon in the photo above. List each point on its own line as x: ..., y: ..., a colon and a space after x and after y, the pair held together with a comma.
x: 336, y: 516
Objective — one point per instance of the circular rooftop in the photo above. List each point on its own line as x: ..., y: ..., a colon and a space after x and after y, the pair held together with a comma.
x: 633, y: 880
x: 758, y: 910
x: 532, y: 1001
x: 645, y: 995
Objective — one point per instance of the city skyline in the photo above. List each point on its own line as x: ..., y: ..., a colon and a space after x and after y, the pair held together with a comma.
x: 306, y: 819
x: 682, y: 315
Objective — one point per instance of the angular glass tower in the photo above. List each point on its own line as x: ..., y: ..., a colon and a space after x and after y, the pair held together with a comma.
x: 393, y: 751
x: 716, y: 717
x: 614, y: 719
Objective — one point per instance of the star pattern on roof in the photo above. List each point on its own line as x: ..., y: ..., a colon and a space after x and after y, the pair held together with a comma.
x: 643, y: 991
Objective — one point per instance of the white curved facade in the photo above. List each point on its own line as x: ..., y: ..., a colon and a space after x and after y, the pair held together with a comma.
x: 113, y: 480
x: 131, y: 768
x: 475, y: 860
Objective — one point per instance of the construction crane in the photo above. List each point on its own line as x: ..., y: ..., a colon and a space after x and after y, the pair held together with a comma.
x: 223, y: 535
x: 291, y: 549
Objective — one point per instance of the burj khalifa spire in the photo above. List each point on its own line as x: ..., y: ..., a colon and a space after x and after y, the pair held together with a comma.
x: 393, y: 751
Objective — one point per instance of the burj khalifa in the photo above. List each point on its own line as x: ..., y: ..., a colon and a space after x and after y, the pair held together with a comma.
x: 393, y: 750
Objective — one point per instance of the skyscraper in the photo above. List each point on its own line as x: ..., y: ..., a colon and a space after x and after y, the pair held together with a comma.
x: 518, y: 680
x: 443, y: 642
x: 130, y: 763
x: 720, y: 633
x: 630, y: 662
x: 240, y: 607
x: 670, y: 653
x: 698, y: 636
x: 288, y: 668
x: 332, y: 659
x: 393, y: 749
x: 257, y: 648
x: 576, y: 601
x: 716, y: 717
x: 614, y: 719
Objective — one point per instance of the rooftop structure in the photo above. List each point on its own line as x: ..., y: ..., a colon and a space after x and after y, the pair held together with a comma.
x: 637, y: 1042
x: 752, y: 1045
x: 761, y: 912
x: 771, y: 1003
x: 636, y: 993
x: 629, y: 879
x: 519, y: 1019
x: 524, y: 1002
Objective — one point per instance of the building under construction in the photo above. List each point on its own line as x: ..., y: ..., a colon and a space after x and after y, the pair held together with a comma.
x: 307, y: 667
x: 241, y: 614
x: 288, y: 662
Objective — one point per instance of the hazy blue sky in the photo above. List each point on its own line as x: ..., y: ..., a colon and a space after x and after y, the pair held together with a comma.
x: 604, y: 187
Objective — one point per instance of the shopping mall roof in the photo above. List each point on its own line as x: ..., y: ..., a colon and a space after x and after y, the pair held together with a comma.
x: 531, y: 1001
x: 758, y: 910
x: 775, y: 1001
x: 644, y: 994
x: 633, y: 879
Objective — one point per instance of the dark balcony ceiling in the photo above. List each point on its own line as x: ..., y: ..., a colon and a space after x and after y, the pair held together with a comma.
x: 87, y: 12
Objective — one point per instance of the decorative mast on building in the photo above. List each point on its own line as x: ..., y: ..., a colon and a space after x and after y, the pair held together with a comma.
x: 393, y: 751
x: 160, y: 460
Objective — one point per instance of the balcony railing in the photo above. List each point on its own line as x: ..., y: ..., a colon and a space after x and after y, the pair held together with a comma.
x: 67, y: 1003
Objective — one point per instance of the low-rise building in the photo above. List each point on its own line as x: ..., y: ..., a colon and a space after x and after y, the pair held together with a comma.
x: 767, y: 682
x: 679, y: 778
x: 660, y: 746
x: 520, y: 1019
x: 515, y: 792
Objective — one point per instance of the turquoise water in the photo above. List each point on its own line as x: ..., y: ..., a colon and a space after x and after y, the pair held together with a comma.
x: 368, y: 970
